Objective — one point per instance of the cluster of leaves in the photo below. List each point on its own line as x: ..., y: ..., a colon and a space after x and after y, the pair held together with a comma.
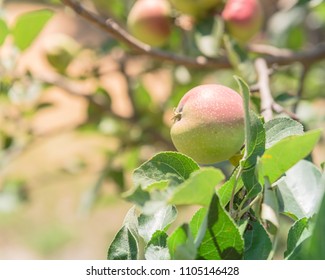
x: 239, y: 219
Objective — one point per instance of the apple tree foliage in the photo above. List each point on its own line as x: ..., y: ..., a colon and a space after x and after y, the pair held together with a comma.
x: 272, y: 179
x: 241, y: 210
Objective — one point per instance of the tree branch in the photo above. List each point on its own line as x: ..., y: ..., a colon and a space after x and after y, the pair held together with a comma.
x: 272, y: 55
x: 115, y: 30
x: 268, y: 105
x: 263, y: 82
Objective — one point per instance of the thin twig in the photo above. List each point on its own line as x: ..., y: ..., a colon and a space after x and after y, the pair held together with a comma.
x: 272, y: 55
x: 268, y: 105
x: 277, y: 108
x: 302, y: 79
x: 264, y: 82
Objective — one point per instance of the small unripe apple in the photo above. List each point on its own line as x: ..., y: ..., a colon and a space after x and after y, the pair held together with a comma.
x: 195, y: 8
x: 209, y: 124
x: 243, y: 18
x: 149, y: 21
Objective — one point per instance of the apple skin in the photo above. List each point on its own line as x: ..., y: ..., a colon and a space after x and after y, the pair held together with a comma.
x: 195, y: 8
x: 243, y: 18
x: 149, y: 21
x: 209, y: 124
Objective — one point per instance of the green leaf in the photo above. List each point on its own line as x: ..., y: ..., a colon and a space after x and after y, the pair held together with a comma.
x: 197, y: 221
x: 149, y: 224
x: 208, y: 35
x: 316, y: 250
x: 28, y: 26
x: 3, y: 31
x: 239, y: 59
x: 280, y: 128
x: 255, y: 148
x: 124, y: 246
x: 199, y: 188
x: 171, y: 166
x: 254, y: 143
x: 137, y: 196
x: 270, y: 208
x: 225, y: 191
x: 157, y: 247
x: 222, y: 240
x: 284, y: 154
x: 131, y: 221
x: 300, y: 190
x: 142, y: 98
x: 298, y: 233
x: 258, y: 244
x: 181, y: 244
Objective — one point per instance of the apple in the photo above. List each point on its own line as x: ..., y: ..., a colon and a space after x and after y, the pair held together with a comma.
x: 243, y: 18
x: 195, y: 8
x: 209, y: 124
x: 149, y: 21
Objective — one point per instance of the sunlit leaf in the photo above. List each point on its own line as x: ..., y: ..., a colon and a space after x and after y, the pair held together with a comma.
x: 124, y: 246
x: 157, y: 248
x: 198, y: 189
x: 225, y: 191
x: 222, y: 239
x: 300, y: 190
x: 149, y: 224
x: 270, y: 208
x: 286, y: 153
x: 181, y: 244
x: 254, y: 143
x: 280, y: 128
x: 196, y: 223
x: 298, y: 233
x: 316, y: 249
x: 3, y: 31
x: 171, y: 166
x: 126, y: 242
x: 28, y: 26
